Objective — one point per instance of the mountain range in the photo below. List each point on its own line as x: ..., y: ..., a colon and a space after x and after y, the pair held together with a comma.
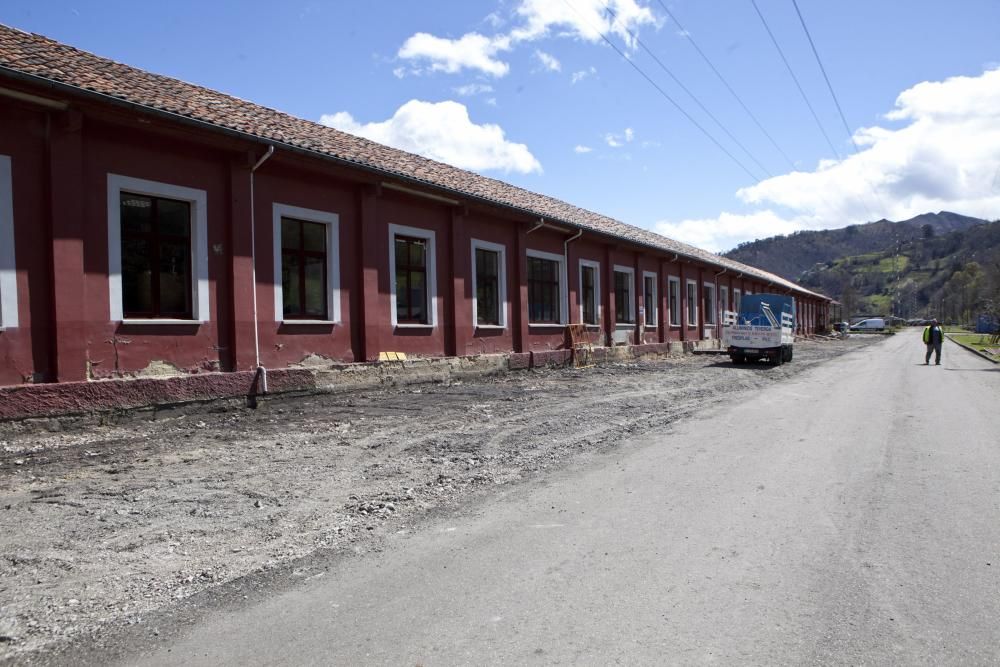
x: 942, y: 264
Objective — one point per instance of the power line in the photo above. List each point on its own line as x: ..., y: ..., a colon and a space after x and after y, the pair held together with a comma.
x: 664, y: 94
x: 836, y: 102
x: 686, y: 90
x: 802, y: 92
x: 726, y: 84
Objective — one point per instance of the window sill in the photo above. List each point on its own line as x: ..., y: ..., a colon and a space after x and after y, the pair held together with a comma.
x: 323, y: 322
x: 651, y: 327
x: 413, y: 326
x: 624, y: 325
x: 491, y: 327
x: 546, y: 325
x: 163, y: 321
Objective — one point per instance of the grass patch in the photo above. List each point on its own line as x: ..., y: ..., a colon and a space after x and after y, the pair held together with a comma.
x: 978, y: 342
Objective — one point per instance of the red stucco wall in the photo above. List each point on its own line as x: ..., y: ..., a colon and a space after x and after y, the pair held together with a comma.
x: 61, y: 162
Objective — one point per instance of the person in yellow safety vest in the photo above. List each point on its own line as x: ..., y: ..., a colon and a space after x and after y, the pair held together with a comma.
x: 933, y: 337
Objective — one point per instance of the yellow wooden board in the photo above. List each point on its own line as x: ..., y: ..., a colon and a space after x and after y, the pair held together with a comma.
x: 392, y: 356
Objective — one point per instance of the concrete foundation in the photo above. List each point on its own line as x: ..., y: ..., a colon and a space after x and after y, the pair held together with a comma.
x: 123, y: 395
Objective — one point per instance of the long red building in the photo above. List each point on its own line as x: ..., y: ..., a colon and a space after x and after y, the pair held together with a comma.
x: 148, y: 224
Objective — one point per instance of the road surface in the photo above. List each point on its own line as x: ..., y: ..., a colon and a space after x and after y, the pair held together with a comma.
x: 848, y: 516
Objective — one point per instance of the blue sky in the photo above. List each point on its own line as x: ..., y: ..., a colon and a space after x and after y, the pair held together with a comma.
x: 527, y: 91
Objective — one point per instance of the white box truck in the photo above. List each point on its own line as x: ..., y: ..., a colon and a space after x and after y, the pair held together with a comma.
x: 762, y: 329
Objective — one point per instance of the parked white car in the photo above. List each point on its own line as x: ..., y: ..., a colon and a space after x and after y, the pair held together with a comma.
x: 871, y: 324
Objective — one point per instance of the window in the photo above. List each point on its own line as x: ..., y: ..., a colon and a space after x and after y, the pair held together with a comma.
x: 649, y: 298
x: 306, y: 265
x: 708, y: 294
x: 723, y: 299
x: 737, y: 296
x: 692, y: 303
x: 590, y: 292
x: 414, y: 284
x: 674, y: 298
x: 624, y: 295
x: 8, y: 274
x: 489, y: 287
x: 545, y: 288
x: 157, y: 252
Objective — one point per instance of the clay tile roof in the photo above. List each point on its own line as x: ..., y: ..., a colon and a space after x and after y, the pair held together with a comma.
x: 40, y: 57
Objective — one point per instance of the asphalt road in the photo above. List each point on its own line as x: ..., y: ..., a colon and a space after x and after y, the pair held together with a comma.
x: 848, y: 516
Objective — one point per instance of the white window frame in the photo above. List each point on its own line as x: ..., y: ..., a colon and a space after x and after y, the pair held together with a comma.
x: 332, y: 223
x: 563, y: 288
x: 596, y: 266
x: 674, y: 280
x: 692, y: 304
x: 8, y: 266
x: 618, y: 268
x: 737, y: 295
x: 651, y: 321
x: 432, y: 298
x: 198, y: 199
x: 713, y: 307
x: 501, y: 250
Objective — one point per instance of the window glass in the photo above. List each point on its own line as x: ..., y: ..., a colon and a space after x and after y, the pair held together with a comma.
x: 692, y: 305
x: 708, y: 293
x: 303, y: 270
x: 137, y: 213
x: 589, y: 295
x: 411, y: 280
x: 156, y: 256
x: 674, y: 296
x: 623, y: 297
x: 649, y: 299
x: 543, y: 291
x: 175, y: 293
x: 174, y: 217
x: 487, y: 287
x: 137, y: 278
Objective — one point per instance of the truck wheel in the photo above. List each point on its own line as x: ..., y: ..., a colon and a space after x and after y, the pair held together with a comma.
x: 779, y: 358
x: 789, y: 357
x: 738, y: 359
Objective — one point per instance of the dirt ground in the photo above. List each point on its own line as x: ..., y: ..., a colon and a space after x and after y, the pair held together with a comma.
x: 105, y: 525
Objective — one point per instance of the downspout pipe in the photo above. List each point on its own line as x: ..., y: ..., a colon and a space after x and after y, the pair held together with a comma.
x: 569, y: 309
x: 566, y: 246
x: 541, y: 223
x: 261, y: 371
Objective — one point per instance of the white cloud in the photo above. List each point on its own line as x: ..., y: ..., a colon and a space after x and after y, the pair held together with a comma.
x: 470, y: 89
x: 727, y: 230
x: 619, y: 140
x: 577, y: 77
x: 548, y: 61
x: 442, y: 131
x: 582, y: 149
x: 946, y: 158
x: 471, y: 51
x: 582, y: 19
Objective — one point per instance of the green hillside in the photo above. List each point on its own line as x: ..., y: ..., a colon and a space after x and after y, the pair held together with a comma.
x: 941, y: 265
x: 791, y: 256
x: 952, y: 276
